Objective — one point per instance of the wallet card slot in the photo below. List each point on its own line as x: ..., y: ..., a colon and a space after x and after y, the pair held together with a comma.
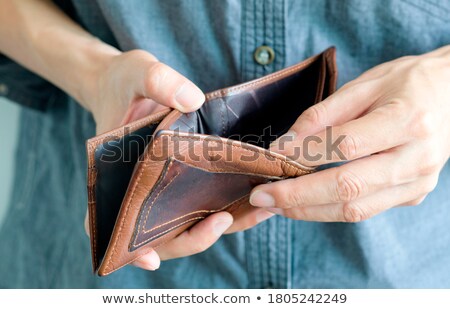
x: 172, y: 202
x: 115, y: 160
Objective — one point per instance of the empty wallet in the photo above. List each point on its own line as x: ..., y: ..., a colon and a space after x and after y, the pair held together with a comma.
x: 152, y: 179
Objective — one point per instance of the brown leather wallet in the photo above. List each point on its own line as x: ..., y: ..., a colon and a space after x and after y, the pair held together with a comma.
x: 154, y: 178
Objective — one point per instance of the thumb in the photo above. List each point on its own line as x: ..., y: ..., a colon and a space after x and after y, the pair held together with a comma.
x: 166, y: 86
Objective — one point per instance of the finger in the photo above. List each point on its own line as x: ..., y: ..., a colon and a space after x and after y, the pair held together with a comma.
x: 349, y: 102
x: 248, y: 219
x: 166, y: 86
x: 354, y: 211
x: 149, y: 261
x: 197, y: 239
x: 413, y: 202
x: 140, y: 108
x: 355, y: 139
x: 345, y: 183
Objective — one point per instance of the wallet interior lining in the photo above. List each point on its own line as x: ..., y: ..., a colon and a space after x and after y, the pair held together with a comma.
x: 258, y: 116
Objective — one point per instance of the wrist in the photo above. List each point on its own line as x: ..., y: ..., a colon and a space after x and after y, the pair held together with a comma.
x: 73, y: 60
x: 97, y: 59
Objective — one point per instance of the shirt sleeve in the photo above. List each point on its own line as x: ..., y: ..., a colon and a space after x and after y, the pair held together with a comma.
x: 23, y: 86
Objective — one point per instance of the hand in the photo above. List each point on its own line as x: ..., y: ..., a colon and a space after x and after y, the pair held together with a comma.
x: 133, y: 85
x: 394, y: 120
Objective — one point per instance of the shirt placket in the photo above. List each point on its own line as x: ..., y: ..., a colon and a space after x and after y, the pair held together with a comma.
x: 268, y: 245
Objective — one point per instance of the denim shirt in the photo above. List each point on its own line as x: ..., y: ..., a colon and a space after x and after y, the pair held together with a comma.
x: 42, y: 243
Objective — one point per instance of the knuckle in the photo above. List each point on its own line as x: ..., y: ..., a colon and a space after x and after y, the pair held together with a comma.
x: 315, y: 114
x: 298, y: 213
x: 430, y: 166
x: 417, y: 201
x: 350, y: 146
x: 352, y: 213
x: 413, y: 73
x: 430, y: 185
x: 293, y: 198
x: 393, y: 176
x: 199, y: 246
x: 155, y: 76
x: 349, y: 187
x: 397, y: 108
x: 140, y: 55
x: 422, y: 67
x: 423, y: 125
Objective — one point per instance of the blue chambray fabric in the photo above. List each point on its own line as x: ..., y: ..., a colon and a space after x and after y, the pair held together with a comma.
x: 42, y: 242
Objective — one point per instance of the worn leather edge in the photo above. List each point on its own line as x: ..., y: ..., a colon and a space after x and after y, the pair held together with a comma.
x: 330, y: 56
x: 91, y: 146
x: 322, y: 78
x: 262, y: 81
x: 198, y: 138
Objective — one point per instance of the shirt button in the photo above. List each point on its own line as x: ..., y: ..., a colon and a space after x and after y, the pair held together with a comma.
x: 3, y: 89
x: 264, y: 55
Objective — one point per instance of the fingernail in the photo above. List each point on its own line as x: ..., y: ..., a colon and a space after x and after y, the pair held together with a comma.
x: 189, y: 97
x: 262, y: 199
x: 152, y: 261
x: 221, y: 227
x: 279, y: 143
x: 156, y: 262
x: 263, y: 216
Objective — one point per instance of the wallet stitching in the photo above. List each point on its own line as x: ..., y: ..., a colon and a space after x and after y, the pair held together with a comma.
x: 107, y: 272
x: 94, y: 236
x: 240, y: 147
x: 238, y: 201
x: 191, y: 213
x: 222, y: 116
x: 122, y: 221
x: 168, y: 230
x: 142, y: 226
x: 221, y: 170
x: 92, y: 145
x: 91, y: 205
